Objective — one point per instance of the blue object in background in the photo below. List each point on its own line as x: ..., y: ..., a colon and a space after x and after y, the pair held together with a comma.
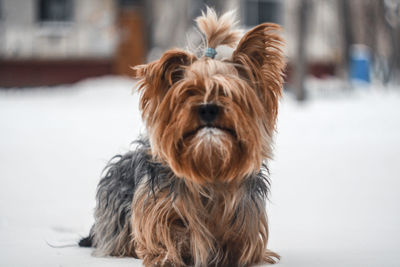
x: 360, y: 62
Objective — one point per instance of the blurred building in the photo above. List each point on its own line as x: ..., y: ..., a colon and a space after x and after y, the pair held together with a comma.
x: 45, y: 42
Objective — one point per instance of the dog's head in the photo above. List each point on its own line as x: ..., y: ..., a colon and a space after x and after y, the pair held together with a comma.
x: 213, y: 120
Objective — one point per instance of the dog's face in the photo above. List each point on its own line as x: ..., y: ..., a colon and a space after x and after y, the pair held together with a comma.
x: 212, y: 120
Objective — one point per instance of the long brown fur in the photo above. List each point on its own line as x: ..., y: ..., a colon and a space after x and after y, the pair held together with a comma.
x: 212, y: 217
x: 201, y: 228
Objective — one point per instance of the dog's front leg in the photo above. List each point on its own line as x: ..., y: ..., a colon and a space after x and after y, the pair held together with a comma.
x: 161, y: 238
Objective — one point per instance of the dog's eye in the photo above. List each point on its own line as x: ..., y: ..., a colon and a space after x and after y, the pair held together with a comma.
x: 190, y: 93
x: 193, y: 91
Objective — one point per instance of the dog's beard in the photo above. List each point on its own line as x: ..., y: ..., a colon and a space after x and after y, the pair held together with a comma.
x: 208, y: 155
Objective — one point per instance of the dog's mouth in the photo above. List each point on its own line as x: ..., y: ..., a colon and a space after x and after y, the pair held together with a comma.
x: 211, y: 128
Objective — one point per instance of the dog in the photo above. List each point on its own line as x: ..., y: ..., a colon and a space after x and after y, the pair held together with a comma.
x: 194, y: 190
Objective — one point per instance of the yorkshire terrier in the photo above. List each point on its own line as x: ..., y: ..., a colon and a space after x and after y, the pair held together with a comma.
x: 193, y: 192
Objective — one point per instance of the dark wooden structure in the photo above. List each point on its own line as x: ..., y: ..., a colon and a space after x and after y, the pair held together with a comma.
x: 28, y: 73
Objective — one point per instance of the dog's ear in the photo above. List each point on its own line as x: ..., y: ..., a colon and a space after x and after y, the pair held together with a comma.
x: 259, y: 59
x: 166, y: 71
x: 157, y: 77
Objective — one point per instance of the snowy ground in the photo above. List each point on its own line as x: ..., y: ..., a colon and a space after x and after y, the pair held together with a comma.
x: 335, y: 179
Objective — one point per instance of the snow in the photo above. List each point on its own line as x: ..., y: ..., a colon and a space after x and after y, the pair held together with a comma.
x: 335, y: 177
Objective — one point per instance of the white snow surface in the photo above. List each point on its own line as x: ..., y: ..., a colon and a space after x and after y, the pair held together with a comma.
x: 335, y: 178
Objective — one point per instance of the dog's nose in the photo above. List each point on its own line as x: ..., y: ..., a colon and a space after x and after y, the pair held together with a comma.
x: 208, y: 112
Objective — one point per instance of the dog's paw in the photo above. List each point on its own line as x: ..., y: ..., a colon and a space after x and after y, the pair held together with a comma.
x: 271, y: 257
x: 158, y: 261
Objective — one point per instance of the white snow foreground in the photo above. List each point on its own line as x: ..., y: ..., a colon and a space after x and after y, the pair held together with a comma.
x: 335, y: 178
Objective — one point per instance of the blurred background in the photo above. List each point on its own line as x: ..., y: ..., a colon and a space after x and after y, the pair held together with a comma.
x: 66, y: 108
x: 49, y: 42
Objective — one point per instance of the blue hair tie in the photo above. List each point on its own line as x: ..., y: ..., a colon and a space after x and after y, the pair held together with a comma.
x: 210, y: 52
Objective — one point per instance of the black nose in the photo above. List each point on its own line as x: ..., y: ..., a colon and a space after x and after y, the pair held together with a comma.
x: 208, y: 112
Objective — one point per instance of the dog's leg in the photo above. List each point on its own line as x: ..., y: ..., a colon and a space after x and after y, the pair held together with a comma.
x: 164, y: 251
x: 249, y: 247
x: 160, y: 237
x: 243, y: 232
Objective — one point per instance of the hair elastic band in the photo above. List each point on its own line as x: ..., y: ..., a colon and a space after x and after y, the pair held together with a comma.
x: 210, y: 52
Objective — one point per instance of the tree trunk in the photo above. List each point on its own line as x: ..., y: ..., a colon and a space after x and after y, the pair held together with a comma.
x: 301, y: 62
x: 345, y: 20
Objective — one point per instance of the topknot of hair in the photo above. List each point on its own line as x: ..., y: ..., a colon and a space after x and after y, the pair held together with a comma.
x: 218, y: 30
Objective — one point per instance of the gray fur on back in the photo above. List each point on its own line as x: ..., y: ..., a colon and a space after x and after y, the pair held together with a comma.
x: 111, y: 231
